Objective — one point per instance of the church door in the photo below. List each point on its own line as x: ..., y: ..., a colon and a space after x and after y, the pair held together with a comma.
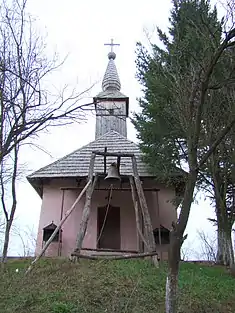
x: 108, y: 228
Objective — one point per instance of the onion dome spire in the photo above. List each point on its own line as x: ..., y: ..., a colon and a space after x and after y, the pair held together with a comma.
x: 111, y: 79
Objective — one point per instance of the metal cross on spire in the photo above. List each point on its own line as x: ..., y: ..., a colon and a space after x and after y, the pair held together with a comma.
x: 112, y: 44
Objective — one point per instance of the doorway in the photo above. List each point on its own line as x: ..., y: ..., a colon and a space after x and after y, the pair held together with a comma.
x: 108, y: 228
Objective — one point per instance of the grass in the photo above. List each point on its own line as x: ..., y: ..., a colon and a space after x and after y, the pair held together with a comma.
x: 59, y: 286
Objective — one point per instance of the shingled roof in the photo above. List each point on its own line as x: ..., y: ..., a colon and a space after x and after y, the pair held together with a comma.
x: 76, y: 164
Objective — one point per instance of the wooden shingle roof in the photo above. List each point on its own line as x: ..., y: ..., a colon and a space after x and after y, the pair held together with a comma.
x: 76, y: 164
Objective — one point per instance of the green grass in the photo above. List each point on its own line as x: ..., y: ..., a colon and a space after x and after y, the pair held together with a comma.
x: 59, y: 286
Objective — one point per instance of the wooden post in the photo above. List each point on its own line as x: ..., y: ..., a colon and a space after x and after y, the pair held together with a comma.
x: 144, y: 207
x: 87, y: 206
x: 140, y: 236
x: 59, y: 226
x: 105, y: 164
x: 118, y: 164
x: 159, y: 229
x: 61, y: 216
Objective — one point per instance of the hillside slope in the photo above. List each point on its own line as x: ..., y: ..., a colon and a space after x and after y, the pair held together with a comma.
x: 59, y: 286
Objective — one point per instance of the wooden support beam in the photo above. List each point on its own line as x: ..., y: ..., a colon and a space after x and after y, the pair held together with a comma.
x: 67, y: 214
x: 105, y: 164
x: 144, y: 207
x: 87, y: 206
x: 107, y: 188
x: 121, y: 115
x: 159, y: 228
x: 117, y: 154
x: 146, y: 216
x: 118, y: 164
x: 116, y: 257
x: 136, y: 208
x: 140, y: 236
x: 61, y: 216
x: 102, y: 250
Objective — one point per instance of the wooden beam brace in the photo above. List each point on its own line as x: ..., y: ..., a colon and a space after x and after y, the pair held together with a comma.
x: 105, y: 165
x: 67, y: 214
x: 140, y: 236
x: 116, y: 257
x: 118, y: 164
x: 117, y: 154
x: 114, y: 188
x: 87, y: 206
x: 108, y: 250
x: 121, y: 115
x: 144, y: 207
x: 159, y: 228
x: 61, y: 216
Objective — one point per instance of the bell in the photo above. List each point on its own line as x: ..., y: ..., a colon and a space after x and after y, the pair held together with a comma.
x: 113, y: 174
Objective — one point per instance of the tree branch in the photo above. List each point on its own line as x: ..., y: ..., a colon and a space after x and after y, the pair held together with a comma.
x: 205, y: 83
x: 223, y: 133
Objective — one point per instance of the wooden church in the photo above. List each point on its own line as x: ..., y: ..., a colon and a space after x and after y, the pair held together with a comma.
x: 124, y: 208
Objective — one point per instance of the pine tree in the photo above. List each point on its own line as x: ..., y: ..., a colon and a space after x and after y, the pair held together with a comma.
x: 179, y: 82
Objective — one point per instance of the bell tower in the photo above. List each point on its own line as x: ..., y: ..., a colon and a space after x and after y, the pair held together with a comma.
x: 111, y: 105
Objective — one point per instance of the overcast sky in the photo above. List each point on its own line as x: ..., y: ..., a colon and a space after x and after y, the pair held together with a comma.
x: 79, y: 29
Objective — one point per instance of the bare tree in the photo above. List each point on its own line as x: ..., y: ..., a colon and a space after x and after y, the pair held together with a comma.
x: 187, y: 251
x: 28, y: 240
x: 26, y: 106
x: 9, y: 213
x: 207, y: 246
x: 2, y: 227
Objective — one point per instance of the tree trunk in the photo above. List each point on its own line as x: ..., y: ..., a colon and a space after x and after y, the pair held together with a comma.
x: 176, y: 240
x: 171, y: 292
x: 10, y: 219
x: 172, y: 277
x: 225, y: 255
x: 6, y: 241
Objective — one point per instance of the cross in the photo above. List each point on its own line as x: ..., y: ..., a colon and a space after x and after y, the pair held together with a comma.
x: 112, y: 44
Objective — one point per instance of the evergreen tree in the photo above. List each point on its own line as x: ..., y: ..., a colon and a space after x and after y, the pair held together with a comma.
x: 185, y: 87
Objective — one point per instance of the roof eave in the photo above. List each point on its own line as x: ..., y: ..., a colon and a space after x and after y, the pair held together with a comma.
x: 37, y: 184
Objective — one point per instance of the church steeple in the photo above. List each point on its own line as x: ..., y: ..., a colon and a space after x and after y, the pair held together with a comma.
x: 110, y: 104
x: 111, y: 79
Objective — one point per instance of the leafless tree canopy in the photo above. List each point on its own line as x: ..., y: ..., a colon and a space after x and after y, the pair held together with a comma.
x: 208, y: 247
x: 26, y: 106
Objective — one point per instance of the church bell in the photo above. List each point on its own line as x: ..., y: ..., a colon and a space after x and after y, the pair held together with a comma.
x: 113, y: 173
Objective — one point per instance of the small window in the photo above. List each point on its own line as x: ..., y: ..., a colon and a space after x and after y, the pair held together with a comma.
x: 48, y: 231
x: 47, y: 234
x: 165, y: 235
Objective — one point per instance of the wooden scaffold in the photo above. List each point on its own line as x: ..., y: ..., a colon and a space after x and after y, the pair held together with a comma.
x: 139, y: 200
x: 140, y: 206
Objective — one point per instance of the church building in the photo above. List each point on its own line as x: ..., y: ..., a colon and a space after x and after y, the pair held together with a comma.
x: 112, y: 220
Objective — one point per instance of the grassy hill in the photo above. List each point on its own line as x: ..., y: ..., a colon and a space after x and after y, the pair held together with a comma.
x: 59, y: 286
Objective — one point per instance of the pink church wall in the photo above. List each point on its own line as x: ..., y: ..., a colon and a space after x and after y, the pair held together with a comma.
x: 51, y: 211
x: 123, y: 200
